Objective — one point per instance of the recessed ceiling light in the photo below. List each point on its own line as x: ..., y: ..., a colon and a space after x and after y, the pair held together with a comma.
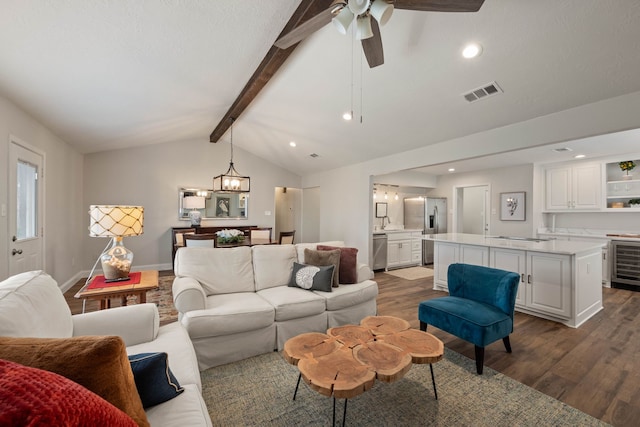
x: 347, y: 115
x: 472, y: 50
x: 292, y: 144
x: 452, y: 170
x: 580, y: 156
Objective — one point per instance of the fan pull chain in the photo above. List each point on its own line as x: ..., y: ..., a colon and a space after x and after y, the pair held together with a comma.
x: 361, y: 84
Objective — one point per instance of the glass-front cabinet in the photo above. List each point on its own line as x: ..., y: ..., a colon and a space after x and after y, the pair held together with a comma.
x: 623, y: 184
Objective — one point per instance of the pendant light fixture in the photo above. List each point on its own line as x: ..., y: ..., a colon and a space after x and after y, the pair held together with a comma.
x: 231, y: 181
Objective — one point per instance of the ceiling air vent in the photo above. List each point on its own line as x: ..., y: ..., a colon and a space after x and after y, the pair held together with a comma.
x: 483, y: 92
x: 314, y: 155
x: 562, y: 149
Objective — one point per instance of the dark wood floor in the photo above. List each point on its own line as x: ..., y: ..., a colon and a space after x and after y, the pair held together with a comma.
x: 595, y: 368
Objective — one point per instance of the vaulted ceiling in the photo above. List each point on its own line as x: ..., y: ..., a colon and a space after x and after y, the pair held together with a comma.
x: 108, y: 75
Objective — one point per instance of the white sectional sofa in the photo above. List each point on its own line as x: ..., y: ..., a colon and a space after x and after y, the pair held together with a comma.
x: 32, y: 305
x: 235, y: 302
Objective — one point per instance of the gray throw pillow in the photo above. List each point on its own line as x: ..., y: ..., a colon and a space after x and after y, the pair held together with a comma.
x: 323, y: 258
x: 311, y: 277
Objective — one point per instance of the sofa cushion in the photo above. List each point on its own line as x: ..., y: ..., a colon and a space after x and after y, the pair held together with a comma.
x: 300, y: 247
x: 293, y: 303
x: 98, y: 363
x: 32, y: 305
x: 348, y: 263
x: 229, y: 314
x: 30, y: 396
x: 323, y: 258
x: 349, y: 295
x: 218, y: 270
x: 154, y: 380
x: 272, y: 265
x: 174, y: 340
x: 188, y: 410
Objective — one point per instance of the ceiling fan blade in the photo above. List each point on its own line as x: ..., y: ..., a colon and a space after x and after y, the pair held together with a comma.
x: 439, y: 5
x: 373, y: 47
x: 306, y: 29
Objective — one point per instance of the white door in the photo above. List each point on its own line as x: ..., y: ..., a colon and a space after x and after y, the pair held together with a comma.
x: 26, y: 244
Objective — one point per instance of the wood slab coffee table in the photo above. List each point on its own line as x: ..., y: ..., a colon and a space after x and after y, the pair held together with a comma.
x: 148, y: 281
x: 346, y: 361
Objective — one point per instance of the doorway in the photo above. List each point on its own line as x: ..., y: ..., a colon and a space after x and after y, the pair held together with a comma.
x: 288, y: 211
x: 26, y: 195
x: 471, y: 209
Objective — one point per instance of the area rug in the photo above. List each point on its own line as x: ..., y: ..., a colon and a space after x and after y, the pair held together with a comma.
x: 258, y: 392
x: 412, y: 273
x: 163, y: 298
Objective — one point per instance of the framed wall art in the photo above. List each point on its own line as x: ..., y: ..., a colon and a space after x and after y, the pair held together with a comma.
x: 513, y: 206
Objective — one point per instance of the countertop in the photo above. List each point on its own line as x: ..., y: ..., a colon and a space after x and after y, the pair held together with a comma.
x: 406, y: 230
x: 631, y: 237
x: 550, y: 246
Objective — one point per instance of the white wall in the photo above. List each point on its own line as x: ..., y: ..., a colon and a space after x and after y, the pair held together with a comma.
x: 345, y: 192
x: 310, y: 216
x: 150, y: 176
x: 395, y: 208
x: 63, y: 183
x: 503, y: 180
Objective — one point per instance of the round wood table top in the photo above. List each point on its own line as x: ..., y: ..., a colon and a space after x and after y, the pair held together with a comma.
x: 345, y: 361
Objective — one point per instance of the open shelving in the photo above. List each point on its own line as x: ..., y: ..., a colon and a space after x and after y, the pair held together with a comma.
x: 621, y: 190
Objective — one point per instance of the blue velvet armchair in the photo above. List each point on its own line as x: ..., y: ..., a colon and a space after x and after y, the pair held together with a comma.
x: 479, y: 308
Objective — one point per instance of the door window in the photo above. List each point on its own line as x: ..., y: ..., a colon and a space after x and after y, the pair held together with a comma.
x: 26, y: 201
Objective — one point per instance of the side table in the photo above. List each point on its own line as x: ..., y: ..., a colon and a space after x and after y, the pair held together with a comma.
x: 148, y: 281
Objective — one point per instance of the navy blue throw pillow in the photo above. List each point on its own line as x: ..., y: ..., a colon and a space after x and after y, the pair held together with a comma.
x: 154, y: 380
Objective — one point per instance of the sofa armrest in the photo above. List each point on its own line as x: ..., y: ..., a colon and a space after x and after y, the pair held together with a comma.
x: 188, y: 295
x: 364, y: 272
x: 135, y: 324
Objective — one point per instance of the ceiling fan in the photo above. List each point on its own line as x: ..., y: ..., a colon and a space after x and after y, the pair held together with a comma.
x: 343, y: 12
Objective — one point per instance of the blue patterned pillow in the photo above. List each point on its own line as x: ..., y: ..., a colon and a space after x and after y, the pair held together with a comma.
x: 311, y: 277
x: 154, y: 380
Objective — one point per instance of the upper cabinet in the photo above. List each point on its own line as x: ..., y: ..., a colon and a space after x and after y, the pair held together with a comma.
x: 576, y: 187
x: 623, y: 184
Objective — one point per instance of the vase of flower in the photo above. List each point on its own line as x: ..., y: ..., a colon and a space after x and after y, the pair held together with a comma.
x: 626, y: 166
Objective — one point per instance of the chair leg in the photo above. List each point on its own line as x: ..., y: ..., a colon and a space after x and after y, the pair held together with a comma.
x: 423, y: 326
x: 507, y: 343
x: 479, y: 359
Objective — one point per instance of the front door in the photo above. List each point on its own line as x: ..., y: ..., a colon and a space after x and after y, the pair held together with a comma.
x: 26, y: 244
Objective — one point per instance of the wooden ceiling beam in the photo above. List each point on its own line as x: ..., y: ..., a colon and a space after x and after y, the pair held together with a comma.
x: 273, y: 60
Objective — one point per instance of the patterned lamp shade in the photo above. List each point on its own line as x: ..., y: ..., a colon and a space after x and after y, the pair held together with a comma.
x: 115, y: 221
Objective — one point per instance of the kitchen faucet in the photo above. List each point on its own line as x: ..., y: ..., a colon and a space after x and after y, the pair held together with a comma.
x: 388, y: 221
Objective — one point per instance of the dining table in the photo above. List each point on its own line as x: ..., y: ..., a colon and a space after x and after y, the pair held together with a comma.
x: 248, y: 242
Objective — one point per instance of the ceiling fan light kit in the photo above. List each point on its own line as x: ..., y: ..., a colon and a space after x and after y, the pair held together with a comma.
x: 363, y: 29
x: 358, y: 7
x: 381, y: 11
x: 343, y: 20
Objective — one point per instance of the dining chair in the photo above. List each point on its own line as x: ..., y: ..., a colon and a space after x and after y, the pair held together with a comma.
x: 260, y: 233
x: 286, y: 237
x: 200, y: 240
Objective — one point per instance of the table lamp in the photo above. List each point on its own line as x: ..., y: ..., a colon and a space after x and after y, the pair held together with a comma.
x: 194, y: 203
x: 116, y: 222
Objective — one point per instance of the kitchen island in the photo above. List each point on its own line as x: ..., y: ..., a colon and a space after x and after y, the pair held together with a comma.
x: 559, y: 280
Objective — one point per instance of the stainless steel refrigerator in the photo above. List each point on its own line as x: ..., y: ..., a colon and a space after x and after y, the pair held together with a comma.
x: 428, y: 214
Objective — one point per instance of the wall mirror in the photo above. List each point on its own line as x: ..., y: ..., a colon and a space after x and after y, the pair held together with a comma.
x: 216, y: 205
x: 381, y: 210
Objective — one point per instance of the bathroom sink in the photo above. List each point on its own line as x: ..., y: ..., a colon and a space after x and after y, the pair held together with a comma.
x: 526, y: 239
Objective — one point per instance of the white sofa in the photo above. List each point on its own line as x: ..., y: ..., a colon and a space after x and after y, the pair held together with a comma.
x: 32, y: 305
x: 235, y: 302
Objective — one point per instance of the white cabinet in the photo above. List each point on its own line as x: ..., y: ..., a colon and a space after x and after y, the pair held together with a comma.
x: 560, y: 281
x: 571, y: 188
x: 545, y: 279
x: 450, y: 253
x: 404, y: 249
x: 606, y: 265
